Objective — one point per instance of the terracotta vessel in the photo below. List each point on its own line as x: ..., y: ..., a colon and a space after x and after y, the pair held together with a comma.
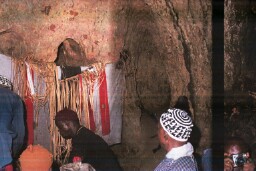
x: 35, y: 158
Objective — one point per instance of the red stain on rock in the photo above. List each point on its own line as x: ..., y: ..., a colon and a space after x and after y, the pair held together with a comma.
x: 85, y: 36
x: 52, y: 27
x: 96, y: 42
x: 74, y: 13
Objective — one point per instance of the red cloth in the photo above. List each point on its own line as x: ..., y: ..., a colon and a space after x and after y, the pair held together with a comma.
x: 30, y: 118
x: 104, y: 107
x: 30, y: 112
x: 9, y: 168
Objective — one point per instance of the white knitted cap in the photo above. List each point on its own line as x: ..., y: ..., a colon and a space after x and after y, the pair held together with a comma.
x: 5, y: 71
x: 177, y: 123
x: 5, y: 82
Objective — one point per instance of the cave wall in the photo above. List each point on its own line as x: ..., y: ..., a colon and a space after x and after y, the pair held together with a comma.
x: 36, y: 28
x: 239, y: 67
x: 168, y: 45
x: 170, y: 55
x: 239, y: 50
x: 234, y: 33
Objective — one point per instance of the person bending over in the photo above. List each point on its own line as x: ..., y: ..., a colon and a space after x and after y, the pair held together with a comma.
x: 88, y: 146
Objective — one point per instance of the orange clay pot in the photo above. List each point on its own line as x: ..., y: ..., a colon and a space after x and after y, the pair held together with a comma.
x: 35, y: 158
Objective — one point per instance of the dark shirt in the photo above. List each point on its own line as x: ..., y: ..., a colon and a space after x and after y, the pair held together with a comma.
x: 93, y: 150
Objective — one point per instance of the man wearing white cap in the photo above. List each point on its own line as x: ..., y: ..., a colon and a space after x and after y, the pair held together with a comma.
x: 12, y: 127
x: 174, y: 130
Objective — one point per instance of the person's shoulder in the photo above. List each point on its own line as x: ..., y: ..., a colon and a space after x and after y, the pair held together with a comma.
x: 87, y: 131
x: 180, y: 164
x: 7, y: 92
x: 187, y: 162
x: 93, y: 136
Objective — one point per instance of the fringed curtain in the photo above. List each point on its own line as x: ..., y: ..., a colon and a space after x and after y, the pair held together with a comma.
x: 75, y: 93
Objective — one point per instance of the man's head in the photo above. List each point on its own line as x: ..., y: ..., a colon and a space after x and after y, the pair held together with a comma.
x: 236, y: 149
x: 175, y: 126
x: 235, y: 145
x: 67, y: 122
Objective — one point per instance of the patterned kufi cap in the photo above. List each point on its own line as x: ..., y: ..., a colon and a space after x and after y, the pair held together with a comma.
x: 177, y: 123
x: 5, y: 82
x: 6, y: 74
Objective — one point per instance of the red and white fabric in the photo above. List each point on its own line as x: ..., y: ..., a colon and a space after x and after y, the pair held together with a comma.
x: 115, y: 88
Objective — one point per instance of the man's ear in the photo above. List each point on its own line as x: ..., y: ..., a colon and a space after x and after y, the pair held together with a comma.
x: 165, y: 136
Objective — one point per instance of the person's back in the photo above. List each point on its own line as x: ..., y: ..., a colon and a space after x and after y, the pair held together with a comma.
x: 12, y: 129
x: 94, y: 150
x: 207, y: 160
x: 187, y: 163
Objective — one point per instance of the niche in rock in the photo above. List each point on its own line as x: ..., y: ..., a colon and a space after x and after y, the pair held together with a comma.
x: 70, y: 57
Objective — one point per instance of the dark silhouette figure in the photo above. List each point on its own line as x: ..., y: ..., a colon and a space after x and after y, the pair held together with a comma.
x: 195, y: 136
x: 183, y: 104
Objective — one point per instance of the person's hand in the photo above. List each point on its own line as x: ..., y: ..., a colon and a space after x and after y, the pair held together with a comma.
x: 228, y: 164
x: 249, y: 165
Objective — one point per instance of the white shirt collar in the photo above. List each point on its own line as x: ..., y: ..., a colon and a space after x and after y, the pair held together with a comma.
x: 185, y: 150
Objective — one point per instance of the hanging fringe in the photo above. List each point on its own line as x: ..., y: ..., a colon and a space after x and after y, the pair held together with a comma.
x: 75, y: 93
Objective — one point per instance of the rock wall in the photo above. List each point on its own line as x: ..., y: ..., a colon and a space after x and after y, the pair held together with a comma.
x: 167, y: 47
x: 239, y: 31
x: 36, y: 28
x: 170, y: 55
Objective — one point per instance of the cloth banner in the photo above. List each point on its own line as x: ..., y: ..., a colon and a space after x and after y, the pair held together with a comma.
x: 115, y: 84
x: 105, y: 114
x: 29, y: 105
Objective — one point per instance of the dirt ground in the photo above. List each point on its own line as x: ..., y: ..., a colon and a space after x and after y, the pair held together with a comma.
x: 147, y: 160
